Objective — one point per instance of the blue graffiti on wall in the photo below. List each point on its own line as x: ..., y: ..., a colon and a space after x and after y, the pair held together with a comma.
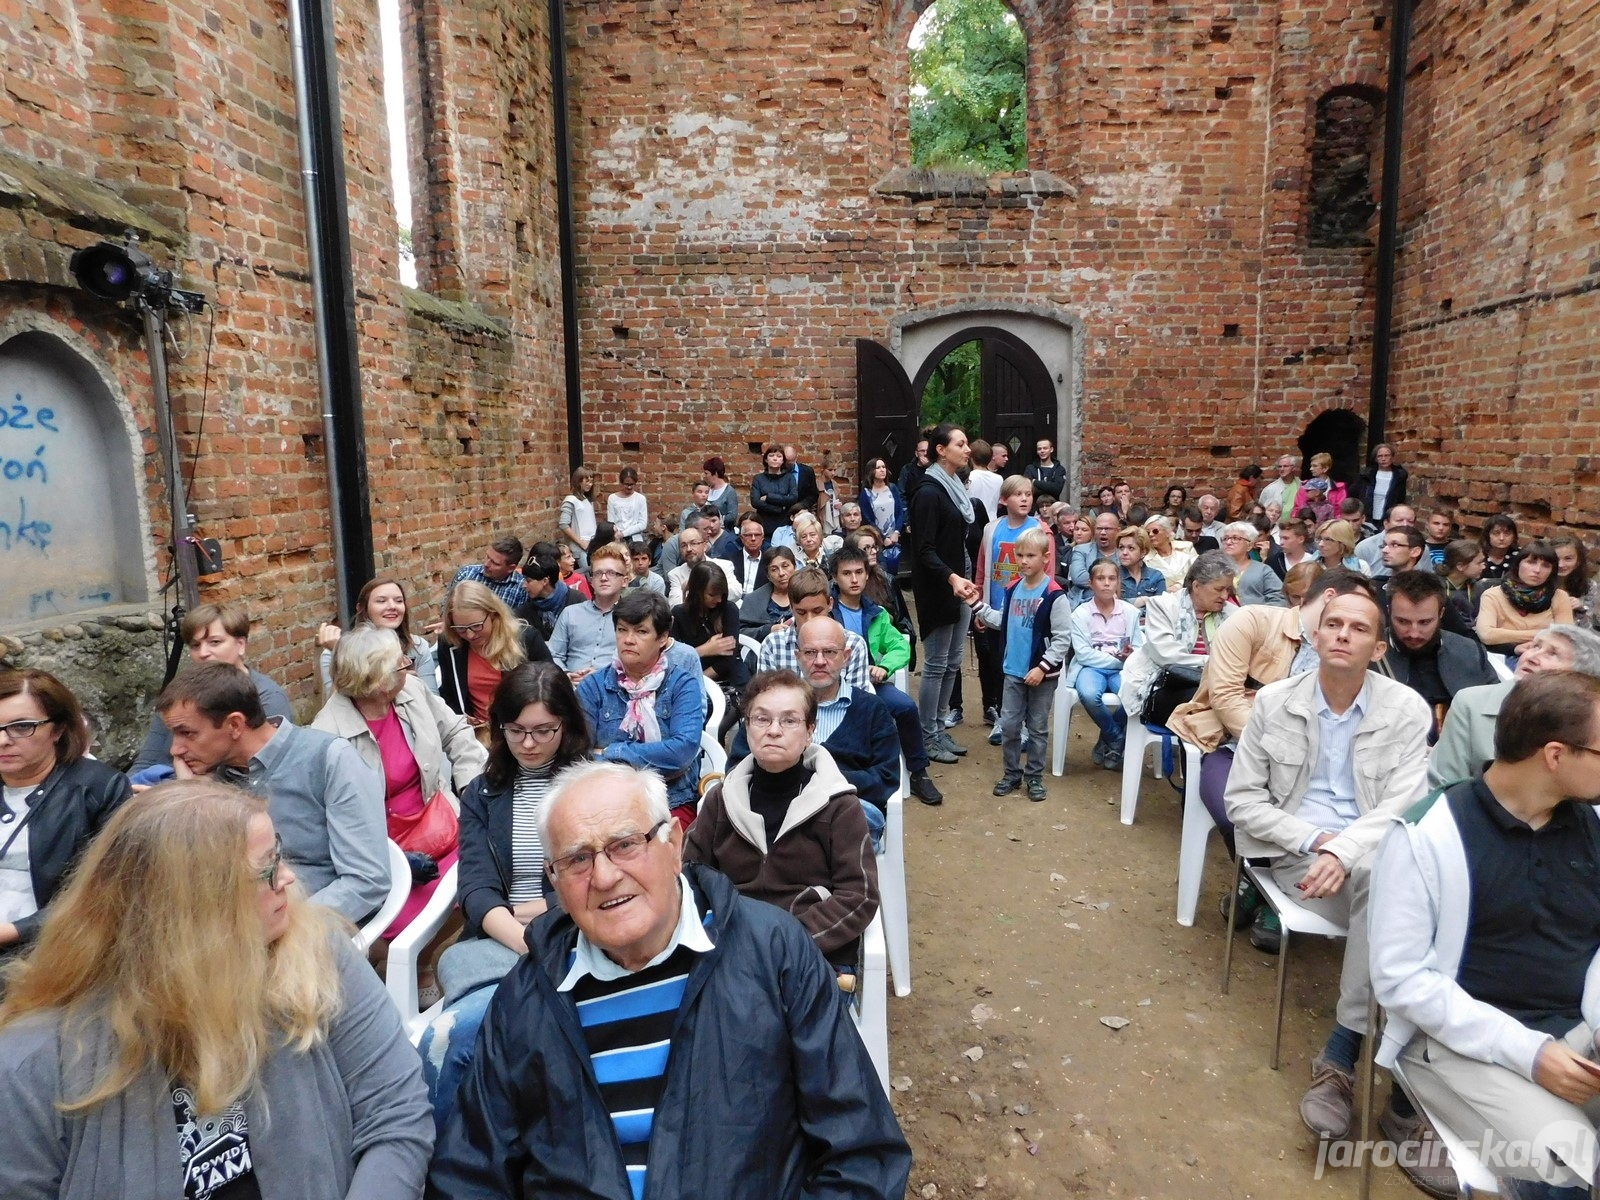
x: 18, y: 530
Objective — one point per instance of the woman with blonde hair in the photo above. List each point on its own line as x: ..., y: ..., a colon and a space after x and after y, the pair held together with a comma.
x: 188, y: 1020
x: 482, y: 642
x: 1336, y: 547
x: 426, y: 753
x: 808, y: 541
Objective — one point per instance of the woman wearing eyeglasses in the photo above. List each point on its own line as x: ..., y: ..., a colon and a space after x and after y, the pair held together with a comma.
x: 188, y: 1018
x: 55, y: 799
x: 536, y: 730
x: 1253, y: 582
x: 423, y: 750
x: 482, y: 642
x: 786, y: 825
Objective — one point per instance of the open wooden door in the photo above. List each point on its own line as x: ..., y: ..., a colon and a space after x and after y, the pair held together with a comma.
x: 886, y: 408
x: 1019, y: 398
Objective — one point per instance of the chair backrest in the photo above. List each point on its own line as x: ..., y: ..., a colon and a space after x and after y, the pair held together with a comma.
x: 399, y: 888
x: 713, y: 761
x: 718, y: 703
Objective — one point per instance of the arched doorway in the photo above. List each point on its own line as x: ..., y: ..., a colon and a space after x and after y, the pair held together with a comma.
x: 1016, y: 400
x: 1337, y: 432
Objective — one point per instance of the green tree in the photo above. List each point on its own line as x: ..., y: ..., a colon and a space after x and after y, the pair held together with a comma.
x: 969, y: 88
x: 954, y: 392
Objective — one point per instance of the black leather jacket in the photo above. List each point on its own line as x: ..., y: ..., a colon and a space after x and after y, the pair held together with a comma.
x: 67, y: 810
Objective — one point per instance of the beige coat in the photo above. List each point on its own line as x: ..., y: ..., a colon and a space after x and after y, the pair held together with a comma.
x: 1502, y: 628
x: 1258, y: 642
x: 1275, y: 758
x: 448, y: 752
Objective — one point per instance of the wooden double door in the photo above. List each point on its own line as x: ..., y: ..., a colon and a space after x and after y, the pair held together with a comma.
x: 1018, y: 407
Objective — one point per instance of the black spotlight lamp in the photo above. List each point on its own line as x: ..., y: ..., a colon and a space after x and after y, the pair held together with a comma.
x: 119, y: 273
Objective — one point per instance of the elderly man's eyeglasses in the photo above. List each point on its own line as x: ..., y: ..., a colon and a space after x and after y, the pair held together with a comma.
x: 824, y: 652
x: 532, y: 733
x: 619, y: 850
x: 19, y: 731
x: 269, y: 873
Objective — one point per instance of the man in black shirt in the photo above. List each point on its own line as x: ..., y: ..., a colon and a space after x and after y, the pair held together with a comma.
x: 1423, y: 655
x: 1485, y: 944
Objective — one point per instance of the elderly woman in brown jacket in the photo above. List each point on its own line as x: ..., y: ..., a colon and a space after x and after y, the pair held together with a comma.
x: 786, y: 826
x: 1258, y: 645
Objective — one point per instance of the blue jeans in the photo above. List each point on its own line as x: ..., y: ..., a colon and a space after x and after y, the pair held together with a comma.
x: 875, y: 824
x: 1092, y: 685
x: 446, y: 1049
x: 908, y: 722
x: 942, y: 649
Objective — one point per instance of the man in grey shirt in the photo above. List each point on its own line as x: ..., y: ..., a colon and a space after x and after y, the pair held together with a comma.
x: 213, y: 633
x: 326, y: 804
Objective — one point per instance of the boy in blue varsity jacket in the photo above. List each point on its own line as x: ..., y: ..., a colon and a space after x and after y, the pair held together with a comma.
x: 1035, y: 639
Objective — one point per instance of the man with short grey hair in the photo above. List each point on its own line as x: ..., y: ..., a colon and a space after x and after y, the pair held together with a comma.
x: 1211, y: 514
x: 705, y: 1029
x: 1466, y: 740
x: 1278, y: 491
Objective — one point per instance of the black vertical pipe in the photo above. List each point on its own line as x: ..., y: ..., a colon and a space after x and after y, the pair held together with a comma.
x: 1394, y: 119
x: 569, y: 254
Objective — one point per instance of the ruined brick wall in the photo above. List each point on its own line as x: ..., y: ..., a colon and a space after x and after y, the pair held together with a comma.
x: 1495, y: 372
x: 733, y: 246
x: 187, y: 111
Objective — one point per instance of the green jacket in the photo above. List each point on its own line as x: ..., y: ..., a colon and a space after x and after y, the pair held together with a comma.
x: 890, y: 648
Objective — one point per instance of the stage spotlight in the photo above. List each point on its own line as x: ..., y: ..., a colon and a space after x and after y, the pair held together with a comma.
x: 119, y: 273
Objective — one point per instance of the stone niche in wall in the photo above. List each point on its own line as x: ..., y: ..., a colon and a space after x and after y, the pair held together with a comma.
x: 70, y: 537
x: 75, y: 569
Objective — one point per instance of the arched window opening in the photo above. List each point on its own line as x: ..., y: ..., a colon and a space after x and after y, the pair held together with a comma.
x: 1341, y: 204
x: 69, y: 503
x: 969, y: 62
x: 954, y: 392
x: 1336, y: 432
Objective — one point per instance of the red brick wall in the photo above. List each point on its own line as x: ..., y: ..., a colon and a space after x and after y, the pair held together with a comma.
x: 726, y: 159
x: 188, y: 110
x: 1495, y: 371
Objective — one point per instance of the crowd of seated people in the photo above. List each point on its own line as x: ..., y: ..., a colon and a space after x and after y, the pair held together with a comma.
x: 1314, y: 640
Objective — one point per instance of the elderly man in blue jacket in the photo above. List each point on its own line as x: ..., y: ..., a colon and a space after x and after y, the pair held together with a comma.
x: 664, y: 1035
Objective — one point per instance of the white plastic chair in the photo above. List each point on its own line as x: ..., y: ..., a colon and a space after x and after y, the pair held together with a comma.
x: 717, y: 701
x: 749, y: 645
x: 405, y: 950
x: 1293, y: 916
x: 1472, y: 1177
x: 399, y: 889
x: 1197, y: 830
x: 902, y: 680
x: 1141, y: 738
x: 892, y: 906
x: 871, y: 1014
x: 713, y: 758
x: 1066, y: 699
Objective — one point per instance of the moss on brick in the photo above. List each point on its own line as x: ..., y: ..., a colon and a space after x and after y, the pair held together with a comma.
x: 452, y: 314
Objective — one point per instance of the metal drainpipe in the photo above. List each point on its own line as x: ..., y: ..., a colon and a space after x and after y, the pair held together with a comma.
x: 1394, y: 119
x: 569, y: 267
x: 316, y: 97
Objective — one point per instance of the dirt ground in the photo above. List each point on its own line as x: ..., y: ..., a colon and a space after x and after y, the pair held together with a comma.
x: 1029, y: 923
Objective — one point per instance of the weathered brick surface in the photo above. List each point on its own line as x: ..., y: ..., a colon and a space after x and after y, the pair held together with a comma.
x: 1495, y: 371
x: 187, y: 109
x: 733, y: 247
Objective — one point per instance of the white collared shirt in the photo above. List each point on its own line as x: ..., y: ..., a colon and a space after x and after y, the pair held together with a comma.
x: 1330, y: 799
x: 589, y: 959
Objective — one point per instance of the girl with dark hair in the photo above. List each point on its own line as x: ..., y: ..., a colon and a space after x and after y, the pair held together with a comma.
x: 382, y: 603
x: 708, y: 621
x: 1173, y: 504
x: 1461, y: 569
x: 774, y: 491
x: 941, y: 581
x: 536, y: 730
x: 1526, y: 601
x: 1572, y: 573
x: 55, y: 798
x: 1499, y: 545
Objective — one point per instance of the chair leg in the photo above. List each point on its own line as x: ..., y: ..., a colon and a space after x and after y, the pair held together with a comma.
x: 1197, y: 826
x: 1060, y: 726
x: 1367, y: 1069
x: 1229, y: 933
x: 1133, y: 749
x: 1283, y: 987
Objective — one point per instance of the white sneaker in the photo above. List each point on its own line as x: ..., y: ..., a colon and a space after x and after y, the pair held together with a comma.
x: 994, y: 735
x: 952, y: 718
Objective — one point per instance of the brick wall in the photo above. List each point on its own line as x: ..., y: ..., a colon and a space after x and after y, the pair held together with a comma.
x: 187, y: 110
x: 1495, y: 375
x: 733, y: 247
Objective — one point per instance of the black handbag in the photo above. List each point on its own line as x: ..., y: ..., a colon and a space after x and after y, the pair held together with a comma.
x: 1173, y: 686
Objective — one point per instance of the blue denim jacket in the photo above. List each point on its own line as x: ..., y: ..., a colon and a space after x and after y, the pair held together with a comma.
x: 676, y: 757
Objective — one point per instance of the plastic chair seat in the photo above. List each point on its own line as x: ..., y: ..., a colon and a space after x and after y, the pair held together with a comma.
x: 892, y: 905
x: 1066, y: 699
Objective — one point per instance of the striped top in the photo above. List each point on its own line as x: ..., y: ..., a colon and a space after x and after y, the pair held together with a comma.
x: 527, y: 855
x: 627, y: 1024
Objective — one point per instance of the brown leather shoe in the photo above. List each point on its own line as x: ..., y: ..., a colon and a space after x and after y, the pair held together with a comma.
x: 1329, y: 1103
x: 1419, y: 1152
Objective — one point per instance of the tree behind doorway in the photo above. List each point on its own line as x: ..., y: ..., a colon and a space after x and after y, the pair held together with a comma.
x: 954, y: 392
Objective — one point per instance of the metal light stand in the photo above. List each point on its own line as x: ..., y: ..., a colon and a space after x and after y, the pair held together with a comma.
x: 155, y: 322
